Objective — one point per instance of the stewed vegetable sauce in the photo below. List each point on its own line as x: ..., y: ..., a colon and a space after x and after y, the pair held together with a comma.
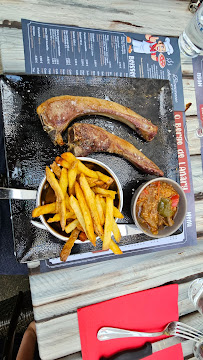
x: 156, y: 206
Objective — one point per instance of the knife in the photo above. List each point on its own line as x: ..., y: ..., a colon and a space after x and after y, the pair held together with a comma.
x: 125, y: 229
x: 128, y: 229
x: 23, y: 194
x: 134, y: 354
x: 20, y: 194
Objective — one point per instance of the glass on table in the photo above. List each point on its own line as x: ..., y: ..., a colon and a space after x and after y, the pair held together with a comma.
x: 199, y: 132
x: 198, y: 350
x: 195, y: 294
x: 191, y: 39
x: 193, y: 5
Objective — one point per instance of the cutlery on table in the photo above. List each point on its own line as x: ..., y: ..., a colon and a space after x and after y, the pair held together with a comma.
x: 126, y: 230
x: 18, y: 194
x: 198, y: 350
x: 24, y: 194
x: 173, y: 328
x: 134, y: 354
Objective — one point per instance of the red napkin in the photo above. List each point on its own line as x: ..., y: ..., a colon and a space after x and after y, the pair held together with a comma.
x: 174, y: 352
x: 148, y: 310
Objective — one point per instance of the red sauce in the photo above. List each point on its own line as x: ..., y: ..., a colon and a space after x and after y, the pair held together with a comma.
x: 157, y: 206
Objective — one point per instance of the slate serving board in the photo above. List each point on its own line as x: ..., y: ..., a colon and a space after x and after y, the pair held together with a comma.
x: 29, y: 149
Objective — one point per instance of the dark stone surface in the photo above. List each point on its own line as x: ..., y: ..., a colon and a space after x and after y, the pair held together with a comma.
x: 29, y: 149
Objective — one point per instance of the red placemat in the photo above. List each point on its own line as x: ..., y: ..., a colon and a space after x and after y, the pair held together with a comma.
x: 148, y: 310
x: 172, y: 353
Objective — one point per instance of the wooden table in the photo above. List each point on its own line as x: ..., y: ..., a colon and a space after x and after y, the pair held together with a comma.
x: 57, y: 295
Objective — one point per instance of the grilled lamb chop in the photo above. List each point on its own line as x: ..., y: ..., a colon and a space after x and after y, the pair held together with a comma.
x: 84, y: 139
x: 56, y: 114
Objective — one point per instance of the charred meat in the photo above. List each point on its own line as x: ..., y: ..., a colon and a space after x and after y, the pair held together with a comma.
x: 56, y: 114
x: 85, y: 139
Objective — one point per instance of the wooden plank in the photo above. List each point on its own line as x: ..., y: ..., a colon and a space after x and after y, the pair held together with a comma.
x: 192, y: 139
x: 196, y: 166
x: 48, y: 310
x: 76, y: 356
x: 199, y: 218
x: 186, y: 66
x: 185, y: 306
x: 58, y: 337
x: 12, y: 51
x: 120, y: 15
x: 136, y: 273
x: 189, y: 96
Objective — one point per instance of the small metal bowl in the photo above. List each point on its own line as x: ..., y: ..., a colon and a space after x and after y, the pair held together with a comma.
x: 179, y: 216
x: 99, y: 166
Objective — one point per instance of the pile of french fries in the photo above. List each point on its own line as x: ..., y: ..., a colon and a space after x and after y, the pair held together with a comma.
x: 84, y: 204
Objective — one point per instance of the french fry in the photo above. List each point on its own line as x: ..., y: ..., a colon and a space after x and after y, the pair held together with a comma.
x: 108, y: 226
x: 61, y: 203
x: 62, y: 162
x: 104, y: 186
x: 70, y: 215
x: 54, y: 184
x: 103, y: 203
x: 63, y: 181
x: 72, y: 173
x: 115, y: 248
x: 100, y: 209
x: 70, y: 158
x: 57, y: 206
x: 67, y: 202
x: 104, y: 192
x: 100, y: 183
x: 76, y: 208
x: 94, y: 182
x: 65, y: 252
x: 79, y: 227
x: 60, y: 196
x: 86, y: 171
x: 84, y: 204
x: 62, y: 212
x: 44, y: 209
x: 116, y: 231
x: 56, y: 169
x: 57, y: 217
x: 86, y: 214
x: 116, y: 212
x: 71, y: 226
x: 90, y: 199
x: 105, y: 178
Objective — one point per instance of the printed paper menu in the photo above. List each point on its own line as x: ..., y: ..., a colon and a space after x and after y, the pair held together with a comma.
x: 67, y: 50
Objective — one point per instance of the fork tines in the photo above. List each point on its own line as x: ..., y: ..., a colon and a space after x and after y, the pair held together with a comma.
x: 187, y: 332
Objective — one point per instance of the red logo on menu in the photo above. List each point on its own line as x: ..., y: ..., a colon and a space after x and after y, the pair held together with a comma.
x: 182, y: 155
x: 201, y: 113
x: 162, y: 60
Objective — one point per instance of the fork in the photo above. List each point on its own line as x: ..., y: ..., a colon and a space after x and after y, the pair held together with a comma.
x: 173, y: 328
